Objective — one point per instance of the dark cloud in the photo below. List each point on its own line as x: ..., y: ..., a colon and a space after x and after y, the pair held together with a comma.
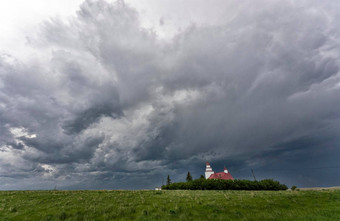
x: 110, y: 105
x: 87, y: 117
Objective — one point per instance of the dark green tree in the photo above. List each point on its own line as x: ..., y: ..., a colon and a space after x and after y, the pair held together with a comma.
x: 168, y: 180
x: 189, y: 177
x: 202, y: 177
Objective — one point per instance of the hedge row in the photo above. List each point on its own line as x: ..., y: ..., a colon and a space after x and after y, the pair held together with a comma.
x: 215, y: 184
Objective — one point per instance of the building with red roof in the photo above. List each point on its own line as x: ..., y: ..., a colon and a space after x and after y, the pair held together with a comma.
x: 210, y: 174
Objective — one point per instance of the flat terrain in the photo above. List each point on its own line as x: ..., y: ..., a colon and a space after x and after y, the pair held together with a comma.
x: 170, y: 205
x: 321, y: 188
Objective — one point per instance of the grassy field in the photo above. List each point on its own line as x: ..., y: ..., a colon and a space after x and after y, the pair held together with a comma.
x: 170, y: 205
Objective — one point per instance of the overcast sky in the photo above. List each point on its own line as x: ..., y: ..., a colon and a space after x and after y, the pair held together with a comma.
x: 117, y: 95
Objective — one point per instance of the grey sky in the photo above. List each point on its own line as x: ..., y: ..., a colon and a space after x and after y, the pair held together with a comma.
x: 121, y: 94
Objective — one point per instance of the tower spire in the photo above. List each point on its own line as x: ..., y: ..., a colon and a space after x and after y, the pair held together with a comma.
x: 208, y: 170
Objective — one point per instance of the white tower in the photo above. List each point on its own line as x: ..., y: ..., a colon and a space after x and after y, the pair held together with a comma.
x: 208, y: 171
x: 225, y: 170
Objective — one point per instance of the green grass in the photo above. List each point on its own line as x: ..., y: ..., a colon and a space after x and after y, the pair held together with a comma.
x: 170, y: 205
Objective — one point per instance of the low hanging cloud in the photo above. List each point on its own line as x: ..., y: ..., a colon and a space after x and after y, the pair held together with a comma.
x: 109, y: 103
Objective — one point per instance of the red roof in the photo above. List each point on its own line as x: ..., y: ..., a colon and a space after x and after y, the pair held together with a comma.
x: 207, y: 163
x: 221, y: 176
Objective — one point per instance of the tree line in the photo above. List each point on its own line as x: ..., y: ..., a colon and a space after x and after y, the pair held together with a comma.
x: 217, y: 184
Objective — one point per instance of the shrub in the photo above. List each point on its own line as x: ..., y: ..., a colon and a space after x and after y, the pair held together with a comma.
x: 293, y: 188
x: 216, y: 184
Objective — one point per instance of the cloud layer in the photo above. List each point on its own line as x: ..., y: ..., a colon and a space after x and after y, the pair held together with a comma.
x: 106, y: 103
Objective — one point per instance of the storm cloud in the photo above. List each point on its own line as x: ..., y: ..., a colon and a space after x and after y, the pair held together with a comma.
x: 104, y: 102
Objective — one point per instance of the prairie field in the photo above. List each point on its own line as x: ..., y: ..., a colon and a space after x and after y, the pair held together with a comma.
x: 170, y: 205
